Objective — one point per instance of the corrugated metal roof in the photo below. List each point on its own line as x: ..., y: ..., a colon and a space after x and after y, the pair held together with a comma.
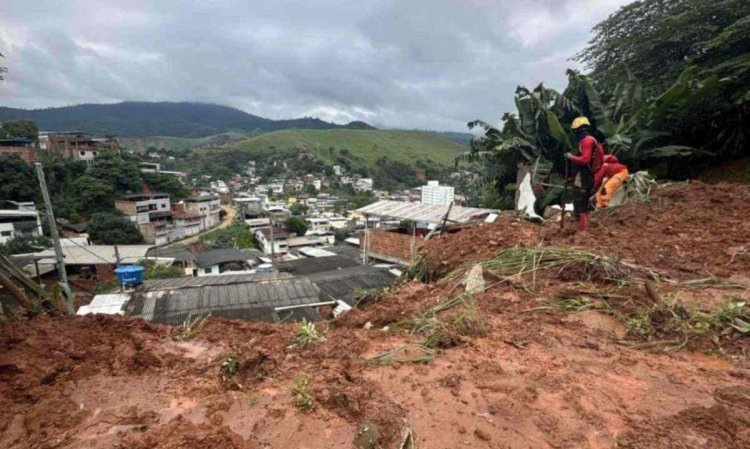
x: 315, y: 265
x: 429, y: 213
x: 202, y: 281
x: 107, y: 304
x: 249, y: 300
x: 344, y: 284
x: 98, y: 254
x: 315, y: 252
x: 223, y: 255
x: 178, y: 253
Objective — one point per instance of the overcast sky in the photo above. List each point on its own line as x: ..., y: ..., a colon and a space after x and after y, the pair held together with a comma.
x: 432, y: 64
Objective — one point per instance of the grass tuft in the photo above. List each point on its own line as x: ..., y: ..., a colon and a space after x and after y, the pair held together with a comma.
x: 307, y: 335
x: 301, y: 392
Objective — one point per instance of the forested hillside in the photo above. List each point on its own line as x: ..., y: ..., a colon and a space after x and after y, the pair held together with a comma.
x: 138, y: 119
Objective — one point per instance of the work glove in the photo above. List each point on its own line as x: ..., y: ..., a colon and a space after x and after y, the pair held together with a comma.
x: 568, y: 155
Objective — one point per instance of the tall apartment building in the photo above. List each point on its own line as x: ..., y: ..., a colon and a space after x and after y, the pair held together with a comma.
x: 208, y: 206
x: 434, y: 193
x: 152, y: 214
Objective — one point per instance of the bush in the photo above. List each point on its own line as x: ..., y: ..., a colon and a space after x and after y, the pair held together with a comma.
x: 22, y: 245
x: 113, y: 229
x: 297, y: 225
x: 237, y: 235
x: 154, y: 270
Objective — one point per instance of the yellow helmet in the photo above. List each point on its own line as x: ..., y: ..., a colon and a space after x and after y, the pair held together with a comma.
x: 580, y: 121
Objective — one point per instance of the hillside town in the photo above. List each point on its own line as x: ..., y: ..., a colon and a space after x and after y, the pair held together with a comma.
x: 300, y: 229
x: 375, y: 225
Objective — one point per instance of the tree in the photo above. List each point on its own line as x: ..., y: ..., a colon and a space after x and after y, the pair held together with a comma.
x: 296, y: 225
x: 25, y: 129
x: 158, y: 182
x: 113, y: 229
x: 153, y: 270
x: 639, y: 131
x: 92, y: 195
x: 17, y: 179
x: 693, y: 54
x: 298, y: 209
x: 120, y: 172
x: 237, y: 235
x: 24, y: 244
x: 656, y: 40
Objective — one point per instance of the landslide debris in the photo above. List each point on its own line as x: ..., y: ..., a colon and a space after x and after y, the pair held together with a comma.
x: 548, y: 359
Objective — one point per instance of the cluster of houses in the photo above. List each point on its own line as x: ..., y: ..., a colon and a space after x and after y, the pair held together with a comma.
x: 288, y: 277
x: 77, y: 146
x: 161, y: 221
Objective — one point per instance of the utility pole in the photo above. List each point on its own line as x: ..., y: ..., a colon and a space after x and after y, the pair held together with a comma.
x: 273, y: 242
x: 366, y: 242
x: 117, y: 263
x: 56, y: 239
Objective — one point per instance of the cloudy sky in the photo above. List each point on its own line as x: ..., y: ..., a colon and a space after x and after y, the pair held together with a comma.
x: 432, y: 64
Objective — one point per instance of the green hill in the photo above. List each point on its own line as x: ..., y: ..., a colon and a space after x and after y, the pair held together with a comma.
x: 181, y: 143
x: 367, y: 146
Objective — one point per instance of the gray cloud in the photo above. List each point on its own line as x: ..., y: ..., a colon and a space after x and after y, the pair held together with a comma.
x: 432, y: 64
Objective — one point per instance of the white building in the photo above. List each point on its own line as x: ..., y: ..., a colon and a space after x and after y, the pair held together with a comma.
x: 17, y: 220
x: 209, y: 206
x: 280, y: 240
x: 363, y: 185
x: 434, y: 193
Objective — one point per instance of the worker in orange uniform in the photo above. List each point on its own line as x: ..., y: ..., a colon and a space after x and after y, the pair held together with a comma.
x: 584, y: 165
x: 615, y: 174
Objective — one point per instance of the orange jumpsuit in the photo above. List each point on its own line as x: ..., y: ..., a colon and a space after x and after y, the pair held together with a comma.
x: 615, y: 174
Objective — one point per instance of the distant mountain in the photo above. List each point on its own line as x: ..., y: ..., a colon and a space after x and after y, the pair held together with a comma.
x: 140, y: 119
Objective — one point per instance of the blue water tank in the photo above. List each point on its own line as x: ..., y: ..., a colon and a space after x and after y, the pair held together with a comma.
x: 129, y: 275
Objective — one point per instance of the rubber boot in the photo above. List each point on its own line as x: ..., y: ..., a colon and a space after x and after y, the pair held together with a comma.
x: 583, y: 221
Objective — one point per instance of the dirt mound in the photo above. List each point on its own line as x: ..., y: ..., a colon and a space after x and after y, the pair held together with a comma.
x: 687, y: 231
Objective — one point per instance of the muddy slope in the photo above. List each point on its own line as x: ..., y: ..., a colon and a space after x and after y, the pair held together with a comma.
x: 533, y: 378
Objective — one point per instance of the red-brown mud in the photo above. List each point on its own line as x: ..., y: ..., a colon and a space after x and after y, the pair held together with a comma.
x: 532, y: 379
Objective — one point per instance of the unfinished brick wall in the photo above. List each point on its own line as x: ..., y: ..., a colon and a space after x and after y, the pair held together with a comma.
x: 28, y: 154
x: 389, y: 243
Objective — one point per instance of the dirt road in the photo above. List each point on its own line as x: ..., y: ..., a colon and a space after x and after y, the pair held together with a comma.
x: 231, y: 213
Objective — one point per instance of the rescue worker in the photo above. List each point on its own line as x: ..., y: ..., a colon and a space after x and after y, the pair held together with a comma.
x: 615, y: 173
x: 585, y: 164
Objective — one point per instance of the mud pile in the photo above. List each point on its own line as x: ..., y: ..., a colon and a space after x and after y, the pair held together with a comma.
x: 686, y: 230
x: 522, y: 374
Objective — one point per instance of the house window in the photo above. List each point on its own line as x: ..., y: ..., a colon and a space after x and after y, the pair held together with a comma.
x: 6, y: 233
